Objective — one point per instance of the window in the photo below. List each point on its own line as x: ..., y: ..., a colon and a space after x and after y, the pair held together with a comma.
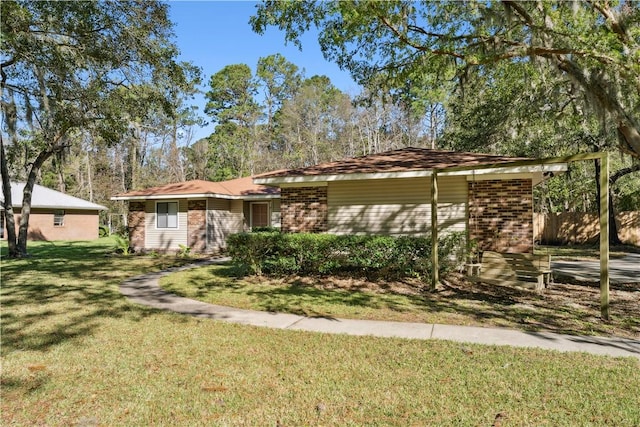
x: 58, y: 218
x: 260, y: 215
x: 167, y: 215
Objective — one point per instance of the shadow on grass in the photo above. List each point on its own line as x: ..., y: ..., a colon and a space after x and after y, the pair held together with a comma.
x: 64, y: 291
x: 554, y: 310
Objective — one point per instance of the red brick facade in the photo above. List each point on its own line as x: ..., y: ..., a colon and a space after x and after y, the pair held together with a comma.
x: 304, y: 209
x: 136, y: 220
x: 197, y: 225
x: 501, y: 215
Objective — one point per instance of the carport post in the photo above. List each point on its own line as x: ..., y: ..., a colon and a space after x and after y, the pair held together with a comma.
x: 604, y: 235
x: 435, y: 277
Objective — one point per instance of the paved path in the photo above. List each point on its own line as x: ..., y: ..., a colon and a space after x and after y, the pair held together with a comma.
x: 621, y: 270
x: 145, y: 290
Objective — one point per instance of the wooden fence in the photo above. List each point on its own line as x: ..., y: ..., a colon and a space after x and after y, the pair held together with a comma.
x: 578, y: 228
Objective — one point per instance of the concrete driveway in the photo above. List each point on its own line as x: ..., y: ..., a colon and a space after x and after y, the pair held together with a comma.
x: 621, y: 270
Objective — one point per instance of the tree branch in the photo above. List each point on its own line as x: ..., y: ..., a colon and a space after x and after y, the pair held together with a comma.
x: 609, y: 15
x: 622, y: 172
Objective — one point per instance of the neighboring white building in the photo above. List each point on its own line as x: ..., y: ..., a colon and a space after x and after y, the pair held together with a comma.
x: 54, y: 215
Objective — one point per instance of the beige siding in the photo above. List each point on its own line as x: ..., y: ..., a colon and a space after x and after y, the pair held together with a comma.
x: 452, y: 203
x: 166, y: 238
x: 224, y: 217
x: 275, y: 213
x: 399, y: 206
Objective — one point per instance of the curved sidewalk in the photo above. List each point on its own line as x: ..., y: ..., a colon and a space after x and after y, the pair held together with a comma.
x: 146, y: 291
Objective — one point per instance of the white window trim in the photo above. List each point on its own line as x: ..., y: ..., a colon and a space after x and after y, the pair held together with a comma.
x: 251, y: 213
x: 155, y: 215
x: 57, y: 213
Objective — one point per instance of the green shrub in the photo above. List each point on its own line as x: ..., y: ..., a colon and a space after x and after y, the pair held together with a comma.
x: 250, y: 251
x: 275, y: 253
x: 265, y: 229
x: 122, y: 245
x: 103, y: 231
x: 184, y: 251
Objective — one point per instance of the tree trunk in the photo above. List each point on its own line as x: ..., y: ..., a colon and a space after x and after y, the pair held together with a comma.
x: 614, y: 239
x: 23, y: 231
x: 8, y: 204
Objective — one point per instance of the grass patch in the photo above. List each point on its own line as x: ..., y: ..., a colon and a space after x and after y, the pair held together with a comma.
x: 563, y: 308
x: 75, y: 352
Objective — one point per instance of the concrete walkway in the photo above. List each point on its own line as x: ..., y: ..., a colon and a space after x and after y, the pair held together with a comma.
x: 146, y: 291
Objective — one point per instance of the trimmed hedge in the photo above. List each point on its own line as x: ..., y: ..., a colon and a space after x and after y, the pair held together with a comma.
x: 275, y: 253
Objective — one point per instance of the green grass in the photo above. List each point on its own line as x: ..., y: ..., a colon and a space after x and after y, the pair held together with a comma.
x: 567, y: 309
x: 75, y: 352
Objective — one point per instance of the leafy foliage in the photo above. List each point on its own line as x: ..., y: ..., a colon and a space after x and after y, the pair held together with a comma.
x: 397, y: 44
x: 324, y: 254
x: 103, y: 231
x: 78, y: 69
x: 122, y: 245
x: 184, y: 251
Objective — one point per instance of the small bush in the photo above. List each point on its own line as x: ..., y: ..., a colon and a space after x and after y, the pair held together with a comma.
x: 184, y: 251
x: 122, y: 245
x: 264, y: 229
x: 103, y: 231
x: 275, y: 253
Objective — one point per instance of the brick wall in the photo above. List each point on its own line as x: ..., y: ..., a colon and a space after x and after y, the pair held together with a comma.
x: 304, y: 209
x: 76, y: 224
x: 136, y: 220
x: 501, y: 215
x: 197, y: 225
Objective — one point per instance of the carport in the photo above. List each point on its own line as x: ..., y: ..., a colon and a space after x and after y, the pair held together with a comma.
x: 602, y: 157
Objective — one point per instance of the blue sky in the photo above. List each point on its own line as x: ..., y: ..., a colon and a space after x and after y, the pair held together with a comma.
x: 212, y: 34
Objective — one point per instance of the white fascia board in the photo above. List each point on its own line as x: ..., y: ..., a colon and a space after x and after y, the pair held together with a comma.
x: 304, y: 184
x: 340, y: 177
x: 257, y: 197
x: 197, y: 196
x: 310, y: 179
x: 69, y: 208
x: 558, y: 167
x: 77, y: 208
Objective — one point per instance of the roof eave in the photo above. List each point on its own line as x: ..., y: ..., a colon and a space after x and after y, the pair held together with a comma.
x: 79, y: 208
x: 406, y: 174
x: 196, y: 196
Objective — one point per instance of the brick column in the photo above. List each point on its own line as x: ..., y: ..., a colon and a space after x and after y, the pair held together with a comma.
x: 197, y: 225
x: 136, y: 221
x: 304, y: 209
x: 501, y: 215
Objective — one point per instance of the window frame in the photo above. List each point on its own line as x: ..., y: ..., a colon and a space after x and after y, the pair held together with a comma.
x: 58, y: 217
x: 167, y: 213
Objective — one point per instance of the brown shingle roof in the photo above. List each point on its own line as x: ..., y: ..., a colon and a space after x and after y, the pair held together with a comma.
x: 401, y: 160
x: 233, y: 188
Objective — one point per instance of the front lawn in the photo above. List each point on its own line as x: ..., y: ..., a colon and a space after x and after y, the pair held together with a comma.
x: 562, y: 308
x: 75, y: 352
